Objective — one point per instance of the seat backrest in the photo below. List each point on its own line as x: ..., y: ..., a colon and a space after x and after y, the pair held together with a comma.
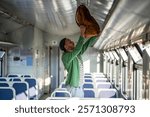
x: 87, y: 73
x: 103, y: 85
x: 56, y: 98
x: 88, y: 80
x: 13, y: 75
x: 61, y: 93
x: 88, y: 85
x: 99, y: 75
x: 27, y: 76
x: 107, y: 93
x: 33, y: 88
x: 3, y: 79
x: 4, y: 84
x: 101, y: 80
x: 87, y: 76
x: 89, y: 93
x: 60, y: 89
x: 15, y: 79
x: 7, y: 93
x: 21, y: 89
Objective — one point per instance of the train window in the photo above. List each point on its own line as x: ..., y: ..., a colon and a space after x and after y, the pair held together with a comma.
x: 118, y: 75
x: 148, y: 51
x: 139, y: 47
x: 115, y: 69
x: 0, y: 68
x: 1, y: 64
x: 129, y: 81
x: 139, y: 84
x: 146, y: 73
x: 111, y: 56
x: 112, y: 67
x: 123, y: 54
x: 107, y: 55
x: 135, y: 54
x: 2, y: 54
x: 107, y: 64
x: 98, y: 63
x: 118, y: 70
x: 117, y: 50
x: 134, y: 90
x: 115, y: 55
x: 123, y: 79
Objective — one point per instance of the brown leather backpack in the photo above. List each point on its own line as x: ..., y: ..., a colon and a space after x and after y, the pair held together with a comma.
x: 83, y: 17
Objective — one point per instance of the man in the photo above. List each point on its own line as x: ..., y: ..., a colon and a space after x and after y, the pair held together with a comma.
x: 73, y: 63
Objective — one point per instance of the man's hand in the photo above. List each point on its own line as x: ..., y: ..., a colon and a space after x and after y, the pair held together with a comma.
x: 92, y: 35
x: 82, y: 31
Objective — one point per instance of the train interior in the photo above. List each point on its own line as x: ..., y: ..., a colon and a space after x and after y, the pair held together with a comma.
x: 117, y: 66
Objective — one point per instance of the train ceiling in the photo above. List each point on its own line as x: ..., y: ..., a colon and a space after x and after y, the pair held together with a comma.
x: 53, y: 16
x: 115, y: 17
x: 130, y: 18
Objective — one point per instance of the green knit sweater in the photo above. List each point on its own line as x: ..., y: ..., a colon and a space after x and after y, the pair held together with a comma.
x: 71, y: 63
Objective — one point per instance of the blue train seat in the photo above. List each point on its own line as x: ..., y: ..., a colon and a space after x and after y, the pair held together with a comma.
x: 87, y: 76
x: 15, y: 79
x: 3, y: 79
x: 87, y: 73
x: 21, y: 89
x: 26, y: 76
x: 88, y: 85
x: 7, y: 93
x: 61, y: 93
x: 33, y: 88
x: 4, y: 84
x: 89, y: 93
x: 88, y: 80
x: 12, y: 75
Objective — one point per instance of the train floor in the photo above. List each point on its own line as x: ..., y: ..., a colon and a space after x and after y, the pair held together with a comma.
x: 43, y: 97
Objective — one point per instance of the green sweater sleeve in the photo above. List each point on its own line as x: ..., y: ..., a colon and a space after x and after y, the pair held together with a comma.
x: 88, y: 43
x: 69, y: 56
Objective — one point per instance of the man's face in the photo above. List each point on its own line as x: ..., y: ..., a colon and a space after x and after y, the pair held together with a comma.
x: 69, y: 45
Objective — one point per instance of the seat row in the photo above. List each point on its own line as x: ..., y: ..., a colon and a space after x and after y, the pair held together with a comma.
x: 95, y: 86
x: 19, y: 75
x: 88, y: 93
x: 18, y: 88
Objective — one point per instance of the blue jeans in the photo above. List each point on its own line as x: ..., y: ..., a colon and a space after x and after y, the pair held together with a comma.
x: 75, y: 91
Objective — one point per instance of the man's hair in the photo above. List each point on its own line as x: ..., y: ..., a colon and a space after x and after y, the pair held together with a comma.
x: 61, y: 44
